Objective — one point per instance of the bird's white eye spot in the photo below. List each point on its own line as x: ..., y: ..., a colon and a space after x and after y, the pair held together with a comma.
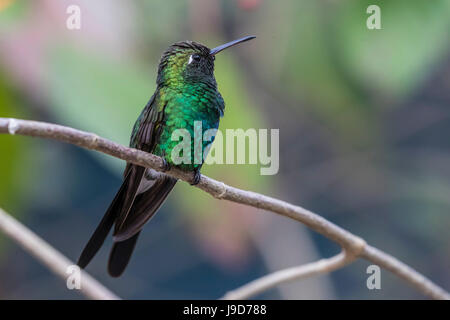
x: 195, y: 57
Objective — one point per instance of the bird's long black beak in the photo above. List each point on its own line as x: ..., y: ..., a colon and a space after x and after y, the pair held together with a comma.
x: 216, y: 50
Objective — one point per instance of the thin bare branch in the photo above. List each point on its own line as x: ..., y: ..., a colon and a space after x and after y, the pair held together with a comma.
x: 50, y: 257
x: 352, y: 244
x: 405, y: 272
x: 288, y: 275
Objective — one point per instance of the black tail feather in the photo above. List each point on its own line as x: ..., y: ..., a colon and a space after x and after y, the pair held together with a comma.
x: 120, y: 255
x: 129, y: 212
x: 122, y: 202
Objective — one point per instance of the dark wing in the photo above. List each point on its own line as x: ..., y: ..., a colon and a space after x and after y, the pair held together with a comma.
x: 145, y: 135
x: 143, y: 138
x: 144, y: 207
x: 128, y: 226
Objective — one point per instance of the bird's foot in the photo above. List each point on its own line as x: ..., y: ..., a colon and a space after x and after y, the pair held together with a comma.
x: 166, y: 165
x: 197, y: 177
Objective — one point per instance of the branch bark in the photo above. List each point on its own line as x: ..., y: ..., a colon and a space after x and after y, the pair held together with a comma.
x: 354, y: 246
x: 51, y: 258
x: 290, y: 274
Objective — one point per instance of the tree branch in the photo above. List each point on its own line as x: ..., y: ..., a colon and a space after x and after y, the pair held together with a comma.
x: 50, y: 257
x: 354, y: 246
x: 290, y: 274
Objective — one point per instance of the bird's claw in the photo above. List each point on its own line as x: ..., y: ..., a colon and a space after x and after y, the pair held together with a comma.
x: 197, y: 177
x: 166, y: 165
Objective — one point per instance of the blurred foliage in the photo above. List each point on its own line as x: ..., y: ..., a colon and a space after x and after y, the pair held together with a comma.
x: 396, y: 60
x: 14, y: 160
x: 339, y: 66
x: 96, y: 93
x: 12, y: 14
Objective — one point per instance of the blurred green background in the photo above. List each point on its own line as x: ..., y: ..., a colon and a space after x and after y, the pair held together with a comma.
x: 364, y: 118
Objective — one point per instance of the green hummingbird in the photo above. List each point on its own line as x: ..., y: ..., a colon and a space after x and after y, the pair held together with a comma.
x: 186, y: 93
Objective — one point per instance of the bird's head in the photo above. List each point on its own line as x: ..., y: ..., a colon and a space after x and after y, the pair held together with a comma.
x: 190, y: 62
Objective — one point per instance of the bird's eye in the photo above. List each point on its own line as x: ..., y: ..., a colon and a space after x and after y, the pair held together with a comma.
x: 194, y: 57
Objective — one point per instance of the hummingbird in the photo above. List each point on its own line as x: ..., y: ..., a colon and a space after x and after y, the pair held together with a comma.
x: 186, y: 92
